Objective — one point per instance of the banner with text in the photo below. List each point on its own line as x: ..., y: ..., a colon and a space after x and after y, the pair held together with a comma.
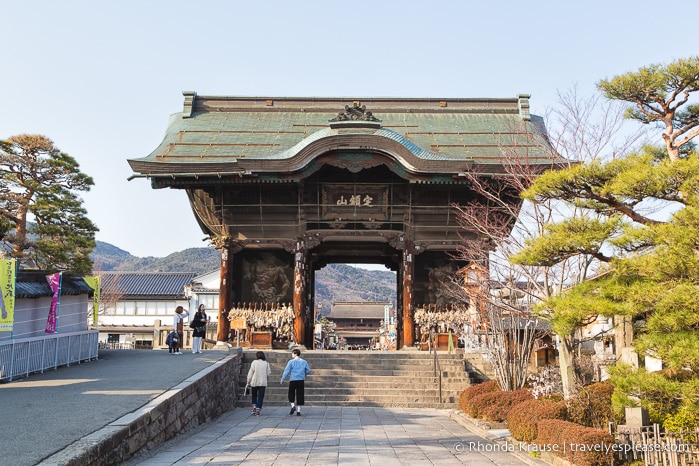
x: 54, y: 282
x: 94, y: 283
x: 7, y: 303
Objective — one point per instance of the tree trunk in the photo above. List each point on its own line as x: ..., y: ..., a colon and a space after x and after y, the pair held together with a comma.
x: 566, y: 364
x: 20, y: 243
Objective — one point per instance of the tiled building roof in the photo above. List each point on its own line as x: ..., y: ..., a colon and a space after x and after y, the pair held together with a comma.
x: 33, y: 284
x: 357, y: 311
x: 265, y: 136
x: 133, y: 284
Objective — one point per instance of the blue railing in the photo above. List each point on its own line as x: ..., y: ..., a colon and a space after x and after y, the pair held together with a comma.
x: 21, y: 357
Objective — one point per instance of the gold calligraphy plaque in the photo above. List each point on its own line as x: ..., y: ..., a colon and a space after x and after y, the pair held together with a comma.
x: 350, y: 202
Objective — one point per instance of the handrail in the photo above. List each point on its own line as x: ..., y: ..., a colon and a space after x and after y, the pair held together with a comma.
x: 436, y: 367
x: 24, y: 356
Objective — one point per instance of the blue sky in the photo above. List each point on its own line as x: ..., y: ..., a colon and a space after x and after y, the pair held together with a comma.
x: 101, y: 78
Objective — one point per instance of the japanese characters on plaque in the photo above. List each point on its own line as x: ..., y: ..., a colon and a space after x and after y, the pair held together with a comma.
x: 355, y: 202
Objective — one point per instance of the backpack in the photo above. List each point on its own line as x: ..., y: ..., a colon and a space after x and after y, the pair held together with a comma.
x: 171, y: 338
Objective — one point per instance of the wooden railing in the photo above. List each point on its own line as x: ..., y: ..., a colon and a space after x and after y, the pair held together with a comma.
x: 161, y: 331
x: 656, y: 447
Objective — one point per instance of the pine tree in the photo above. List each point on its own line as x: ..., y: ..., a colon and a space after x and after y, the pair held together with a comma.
x: 43, y: 221
x: 579, y: 129
x: 652, y: 257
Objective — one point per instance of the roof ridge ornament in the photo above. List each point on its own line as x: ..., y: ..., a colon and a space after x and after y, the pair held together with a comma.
x: 355, y: 116
x: 523, y: 104
x: 189, y: 97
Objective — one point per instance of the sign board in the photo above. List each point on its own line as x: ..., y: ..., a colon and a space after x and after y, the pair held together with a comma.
x: 238, y: 324
x: 349, y: 202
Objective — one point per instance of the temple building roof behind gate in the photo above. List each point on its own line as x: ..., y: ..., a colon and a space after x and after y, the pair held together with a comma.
x: 363, y: 310
x: 243, y: 136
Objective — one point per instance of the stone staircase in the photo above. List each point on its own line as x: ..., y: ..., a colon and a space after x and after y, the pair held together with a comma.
x: 368, y: 378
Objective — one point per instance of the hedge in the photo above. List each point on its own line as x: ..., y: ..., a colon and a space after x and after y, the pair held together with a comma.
x: 592, y: 407
x: 467, y: 395
x: 495, y: 406
x: 523, y: 417
x: 583, y: 446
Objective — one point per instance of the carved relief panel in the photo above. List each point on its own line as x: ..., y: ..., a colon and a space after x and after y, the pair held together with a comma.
x: 267, y: 277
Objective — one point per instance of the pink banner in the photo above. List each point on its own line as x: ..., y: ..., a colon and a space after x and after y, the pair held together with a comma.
x: 55, y: 284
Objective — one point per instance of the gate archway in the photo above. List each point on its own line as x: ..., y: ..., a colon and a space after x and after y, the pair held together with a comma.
x: 285, y: 185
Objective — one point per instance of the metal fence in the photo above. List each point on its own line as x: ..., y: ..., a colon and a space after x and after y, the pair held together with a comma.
x: 21, y: 357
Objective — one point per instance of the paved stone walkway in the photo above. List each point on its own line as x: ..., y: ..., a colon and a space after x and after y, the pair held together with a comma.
x: 45, y: 413
x: 334, y: 435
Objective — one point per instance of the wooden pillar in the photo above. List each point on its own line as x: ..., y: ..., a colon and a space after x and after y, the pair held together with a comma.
x: 300, y: 294
x: 224, y: 294
x: 408, y: 314
x: 309, y: 303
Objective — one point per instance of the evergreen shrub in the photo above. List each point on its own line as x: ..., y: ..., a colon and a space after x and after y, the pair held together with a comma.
x: 592, y: 407
x: 583, y: 446
x: 467, y: 395
x: 685, y: 419
x: 523, y: 417
x: 495, y: 406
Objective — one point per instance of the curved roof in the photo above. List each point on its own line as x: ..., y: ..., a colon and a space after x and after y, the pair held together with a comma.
x: 252, y: 136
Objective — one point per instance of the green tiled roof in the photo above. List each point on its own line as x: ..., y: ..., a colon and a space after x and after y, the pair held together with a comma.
x: 254, y: 135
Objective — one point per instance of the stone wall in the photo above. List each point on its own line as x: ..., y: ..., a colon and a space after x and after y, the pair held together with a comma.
x: 201, y: 398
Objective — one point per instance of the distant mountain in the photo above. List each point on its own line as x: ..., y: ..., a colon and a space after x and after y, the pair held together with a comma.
x: 334, y: 282
x: 107, y: 257
x: 342, y: 282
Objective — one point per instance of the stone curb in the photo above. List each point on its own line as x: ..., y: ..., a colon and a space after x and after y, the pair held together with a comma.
x: 487, y: 431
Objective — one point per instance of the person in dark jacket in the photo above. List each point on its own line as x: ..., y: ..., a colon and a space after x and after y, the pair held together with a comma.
x: 199, y: 322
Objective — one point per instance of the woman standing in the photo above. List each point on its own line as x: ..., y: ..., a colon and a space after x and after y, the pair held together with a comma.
x: 178, y: 327
x: 257, y: 379
x: 199, y: 325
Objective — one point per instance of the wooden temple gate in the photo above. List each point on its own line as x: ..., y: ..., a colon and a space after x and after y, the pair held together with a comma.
x: 284, y: 186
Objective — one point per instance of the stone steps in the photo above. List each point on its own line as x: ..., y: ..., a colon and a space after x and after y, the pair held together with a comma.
x: 368, y: 378
x: 374, y: 397
x: 388, y: 384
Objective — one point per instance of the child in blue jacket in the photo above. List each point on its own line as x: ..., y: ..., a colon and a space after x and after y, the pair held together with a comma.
x: 296, y: 369
x: 171, y: 342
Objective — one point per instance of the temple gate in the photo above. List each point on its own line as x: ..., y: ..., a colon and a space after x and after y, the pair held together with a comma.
x: 284, y: 186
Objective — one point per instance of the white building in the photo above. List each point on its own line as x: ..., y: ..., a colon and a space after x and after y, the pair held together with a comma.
x: 137, y: 308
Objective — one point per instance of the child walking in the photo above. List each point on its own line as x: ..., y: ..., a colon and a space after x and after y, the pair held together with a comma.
x: 296, y: 369
x: 171, y: 342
